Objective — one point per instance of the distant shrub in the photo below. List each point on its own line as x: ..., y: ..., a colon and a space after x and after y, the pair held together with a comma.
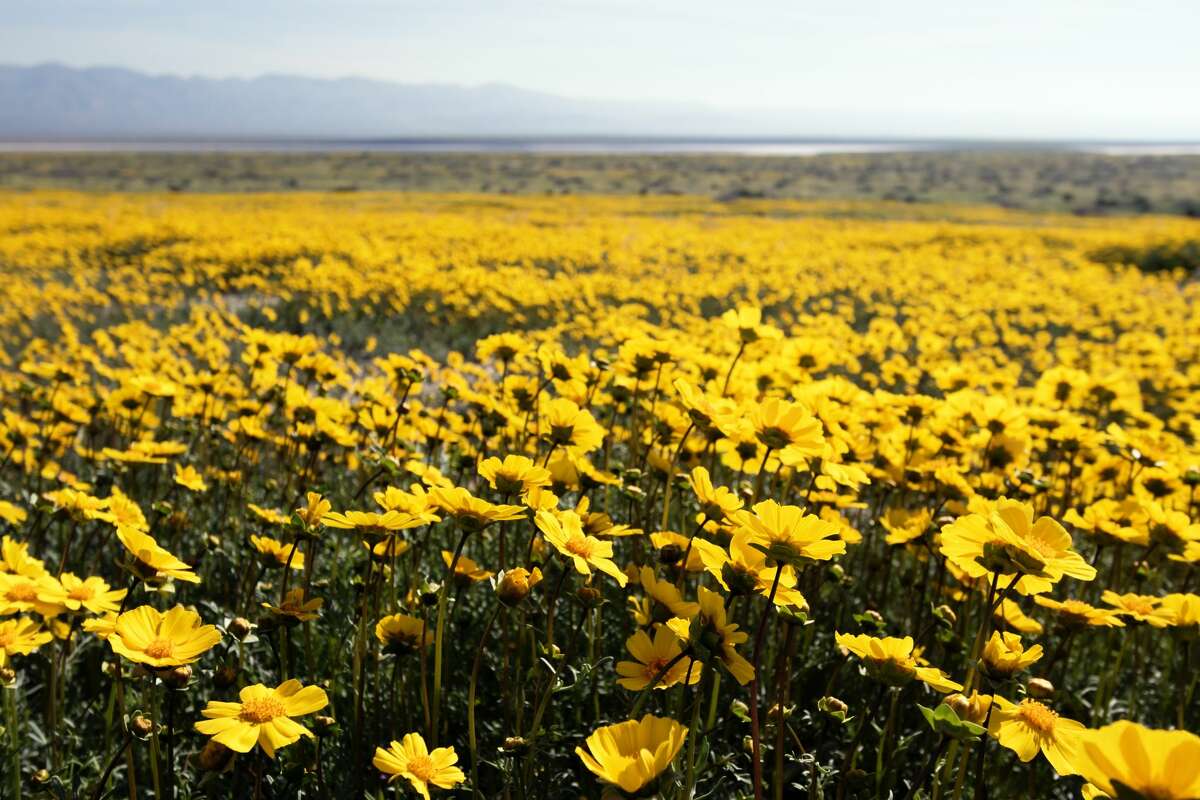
x: 1157, y: 257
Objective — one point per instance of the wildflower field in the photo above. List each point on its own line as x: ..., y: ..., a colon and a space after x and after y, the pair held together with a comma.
x: 343, y: 495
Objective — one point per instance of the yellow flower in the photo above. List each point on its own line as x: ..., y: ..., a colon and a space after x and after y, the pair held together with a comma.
x: 631, y: 754
x: 892, y: 661
x: 710, y: 632
x: 269, y: 514
x: 314, y: 509
x: 788, y: 430
x: 400, y: 633
x: 1029, y: 727
x: 370, y: 522
x: 1141, y: 608
x: 473, y: 513
x: 153, y: 562
x: 1128, y: 761
x: 743, y: 569
x: 1185, y: 608
x: 466, y: 571
x: 296, y: 607
x: 12, y: 514
x: 904, y: 525
x: 1008, y: 543
x: 102, y: 626
x: 162, y: 640
x: 20, y: 636
x: 715, y: 503
x: 190, y: 479
x: 263, y: 716
x: 564, y: 531
x: 747, y: 321
x: 788, y: 535
x: 93, y: 594
x: 1004, y: 655
x: 514, y: 475
x: 666, y: 595
x: 514, y: 585
x: 412, y: 760
x: 20, y: 594
x: 1009, y: 614
x: 567, y: 425
x: 276, y: 553
x: 1078, y: 614
x: 653, y: 655
x: 675, y: 545
x: 15, y: 559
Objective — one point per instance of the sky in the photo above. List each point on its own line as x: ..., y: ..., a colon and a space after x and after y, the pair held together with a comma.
x: 1051, y: 68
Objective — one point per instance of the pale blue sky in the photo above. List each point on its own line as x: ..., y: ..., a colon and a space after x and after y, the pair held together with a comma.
x: 1007, y: 68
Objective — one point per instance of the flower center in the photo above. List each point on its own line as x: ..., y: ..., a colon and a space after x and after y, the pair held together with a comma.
x: 580, y: 547
x: 654, y: 667
x: 1141, y: 607
x: 421, y: 767
x: 262, y: 709
x: 1038, y: 717
x: 7, y: 638
x: 774, y: 438
x: 23, y: 593
x: 160, y: 648
x: 82, y: 593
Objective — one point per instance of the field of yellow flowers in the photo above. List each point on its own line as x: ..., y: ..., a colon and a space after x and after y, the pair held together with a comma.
x: 321, y: 495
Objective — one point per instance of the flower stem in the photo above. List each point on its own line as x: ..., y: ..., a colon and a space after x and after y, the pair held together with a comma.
x: 755, y: 734
x: 473, y: 743
x: 439, y: 637
x: 14, y: 747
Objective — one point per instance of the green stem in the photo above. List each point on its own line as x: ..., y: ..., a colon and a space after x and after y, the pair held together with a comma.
x: 154, y: 751
x: 884, y: 737
x: 439, y: 638
x: 473, y: 743
x: 755, y: 736
x: 14, y: 746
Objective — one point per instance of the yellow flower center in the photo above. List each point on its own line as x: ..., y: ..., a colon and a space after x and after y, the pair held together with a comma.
x: 580, y: 547
x: 1038, y: 717
x: 1041, y: 547
x: 7, y: 638
x: 1141, y: 607
x: 23, y: 593
x: 262, y: 709
x: 160, y: 648
x: 82, y: 593
x: 421, y: 768
x: 654, y: 667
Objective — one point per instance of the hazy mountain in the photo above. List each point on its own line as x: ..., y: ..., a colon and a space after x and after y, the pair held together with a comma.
x: 60, y: 102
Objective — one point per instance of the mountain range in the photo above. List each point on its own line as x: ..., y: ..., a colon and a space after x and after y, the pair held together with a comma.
x: 53, y: 101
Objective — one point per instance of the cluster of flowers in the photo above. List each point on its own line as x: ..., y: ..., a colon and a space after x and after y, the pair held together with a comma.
x: 650, y: 547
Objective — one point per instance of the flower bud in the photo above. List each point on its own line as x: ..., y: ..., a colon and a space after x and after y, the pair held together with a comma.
x: 225, y: 676
x: 179, y: 677
x: 141, y: 726
x: 41, y: 776
x: 959, y: 704
x: 323, y: 725
x: 515, y: 746
x: 8, y: 676
x: 239, y: 628
x: 833, y: 707
x: 1040, y: 688
x: 214, y: 757
x: 516, y: 584
x: 590, y: 596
